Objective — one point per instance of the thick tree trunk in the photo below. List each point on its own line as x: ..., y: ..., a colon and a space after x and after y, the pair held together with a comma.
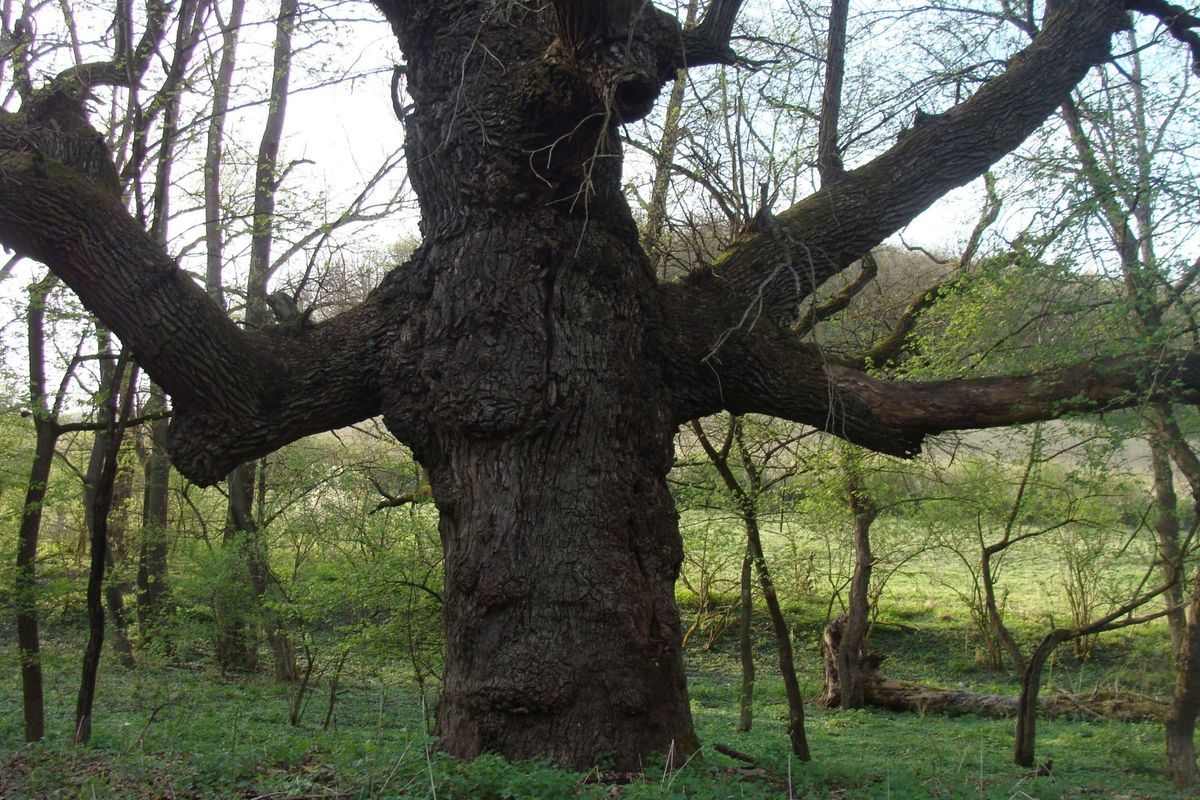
x: 570, y: 651
x: 562, y: 549
x: 532, y: 362
x: 547, y: 447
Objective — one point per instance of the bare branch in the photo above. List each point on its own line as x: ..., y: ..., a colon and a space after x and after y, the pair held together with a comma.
x: 708, y: 43
x: 770, y: 274
x: 829, y: 157
x: 868, y: 269
x: 1177, y: 20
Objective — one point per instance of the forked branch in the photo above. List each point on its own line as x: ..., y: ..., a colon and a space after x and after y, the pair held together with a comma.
x: 768, y: 275
x: 1177, y: 20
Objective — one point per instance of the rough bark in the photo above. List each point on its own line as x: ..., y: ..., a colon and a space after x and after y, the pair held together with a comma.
x: 528, y: 356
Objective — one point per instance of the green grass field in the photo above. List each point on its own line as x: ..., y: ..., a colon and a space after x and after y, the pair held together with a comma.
x: 185, y: 731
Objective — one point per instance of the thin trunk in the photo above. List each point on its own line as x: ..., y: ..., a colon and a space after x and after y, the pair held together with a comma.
x: 116, y: 588
x: 266, y: 176
x: 98, y: 508
x: 118, y: 495
x: 1180, y: 722
x: 214, y: 235
x: 234, y: 602
x: 241, y: 646
x: 745, y: 644
x: 783, y: 641
x: 990, y: 551
x: 1134, y: 244
x: 25, y: 589
x: 152, y: 585
x: 745, y: 496
x: 1027, y: 703
x: 1181, y: 719
x: 853, y: 639
x: 829, y: 157
x: 152, y: 554
x: 1166, y: 529
x: 262, y: 234
x: 995, y: 619
x: 25, y: 581
x: 664, y: 160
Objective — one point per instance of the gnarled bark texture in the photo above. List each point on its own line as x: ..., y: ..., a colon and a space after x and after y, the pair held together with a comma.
x: 532, y: 362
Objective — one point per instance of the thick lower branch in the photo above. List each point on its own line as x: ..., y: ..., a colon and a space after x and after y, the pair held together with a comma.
x: 237, y: 394
x: 723, y: 364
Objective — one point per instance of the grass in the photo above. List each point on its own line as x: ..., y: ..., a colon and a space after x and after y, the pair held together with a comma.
x: 216, y: 737
x: 183, y: 730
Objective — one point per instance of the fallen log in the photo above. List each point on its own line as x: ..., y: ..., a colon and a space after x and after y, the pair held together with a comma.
x: 898, y: 695
x: 881, y: 691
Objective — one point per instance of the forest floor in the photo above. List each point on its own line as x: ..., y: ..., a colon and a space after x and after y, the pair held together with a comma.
x: 179, y: 729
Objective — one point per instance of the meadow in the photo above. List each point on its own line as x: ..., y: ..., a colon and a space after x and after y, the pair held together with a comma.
x: 177, y: 727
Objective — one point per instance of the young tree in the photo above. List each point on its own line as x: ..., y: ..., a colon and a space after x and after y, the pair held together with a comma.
x: 45, y: 410
x: 526, y: 352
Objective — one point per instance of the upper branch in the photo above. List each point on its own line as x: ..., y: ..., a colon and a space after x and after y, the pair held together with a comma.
x: 1178, y: 22
x: 769, y: 274
x: 708, y: 42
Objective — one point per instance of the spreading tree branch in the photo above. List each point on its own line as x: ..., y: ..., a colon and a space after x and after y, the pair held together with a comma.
x: 774, y: 372
x: 239, y: 395
x: 767, y: 276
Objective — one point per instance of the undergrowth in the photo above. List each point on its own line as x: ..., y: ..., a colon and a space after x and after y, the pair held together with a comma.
x: 183, y: 730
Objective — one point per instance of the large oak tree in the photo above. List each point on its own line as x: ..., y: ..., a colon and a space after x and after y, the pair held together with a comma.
x: 527, y: 353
